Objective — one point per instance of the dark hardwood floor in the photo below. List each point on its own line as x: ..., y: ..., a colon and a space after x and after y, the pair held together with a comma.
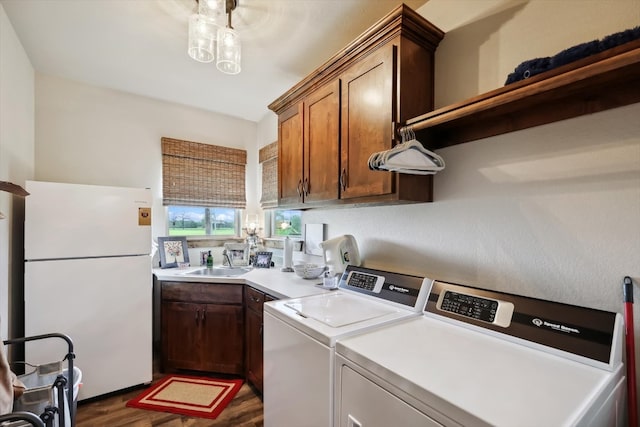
x: 245, y: 410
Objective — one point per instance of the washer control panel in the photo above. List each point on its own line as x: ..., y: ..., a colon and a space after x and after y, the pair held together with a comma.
x: 368, y: 282
x: 405, y: 290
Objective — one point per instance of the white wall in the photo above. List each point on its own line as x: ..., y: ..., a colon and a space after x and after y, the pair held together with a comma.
x: 90, y: 135
x: 551, y: 212
x: 16, y: 160
x: 267, y: 130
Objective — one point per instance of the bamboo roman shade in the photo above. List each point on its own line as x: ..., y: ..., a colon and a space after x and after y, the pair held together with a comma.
x: 268, y: 157
x: 195, y: 174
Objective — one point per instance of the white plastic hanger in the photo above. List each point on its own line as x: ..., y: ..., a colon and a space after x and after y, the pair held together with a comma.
x: 410, y: 156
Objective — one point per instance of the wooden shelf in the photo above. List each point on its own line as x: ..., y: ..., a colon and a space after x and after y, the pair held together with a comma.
x: 600, y: 82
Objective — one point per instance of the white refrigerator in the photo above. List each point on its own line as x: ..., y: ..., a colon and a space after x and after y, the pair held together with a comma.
x: 88, y: 275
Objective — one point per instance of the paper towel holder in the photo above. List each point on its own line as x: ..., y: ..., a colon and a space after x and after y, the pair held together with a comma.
x: 287, y: 256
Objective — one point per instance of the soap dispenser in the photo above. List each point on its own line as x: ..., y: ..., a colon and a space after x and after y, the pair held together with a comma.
x: 209, y: 260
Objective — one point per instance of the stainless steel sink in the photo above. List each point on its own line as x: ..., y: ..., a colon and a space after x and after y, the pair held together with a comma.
x: 218, y: 271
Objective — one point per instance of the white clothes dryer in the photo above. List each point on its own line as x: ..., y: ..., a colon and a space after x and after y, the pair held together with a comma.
x: 300, y: 335
x: 484, y: 358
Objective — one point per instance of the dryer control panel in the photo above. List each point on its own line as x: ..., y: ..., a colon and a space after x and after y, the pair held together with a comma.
x: 582, y: 331
x: 487, y: 310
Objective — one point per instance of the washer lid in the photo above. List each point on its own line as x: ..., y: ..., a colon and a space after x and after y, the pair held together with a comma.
x: 338, y: 309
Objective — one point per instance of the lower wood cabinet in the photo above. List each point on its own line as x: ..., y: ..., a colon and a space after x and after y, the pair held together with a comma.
x: 202, y: 327
x: 254, y: 300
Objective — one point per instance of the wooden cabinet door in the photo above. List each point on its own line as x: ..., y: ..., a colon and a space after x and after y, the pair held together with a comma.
x: 368, y: 111
x: 253, y: 331
x: 290, y: 154
x: 182, y: 345
x: 321, y: 143
x: 254, y: 301
x: 202, y: 327
x: 222, y: 339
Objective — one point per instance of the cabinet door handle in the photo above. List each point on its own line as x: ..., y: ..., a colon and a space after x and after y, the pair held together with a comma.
x: 204, y: 315
x: 299, y: 188
x: 197, y: 313
x: 343, y: 179
x: 254, y: 299
x: 305, y: 187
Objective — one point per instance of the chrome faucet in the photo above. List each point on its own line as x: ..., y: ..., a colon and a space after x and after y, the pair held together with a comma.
x: 226, y: 255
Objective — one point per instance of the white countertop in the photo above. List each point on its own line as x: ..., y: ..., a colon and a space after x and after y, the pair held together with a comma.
x: 269, y: 280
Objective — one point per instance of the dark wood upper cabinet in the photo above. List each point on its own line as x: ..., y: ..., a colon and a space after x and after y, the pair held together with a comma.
x: 321, y: 143
x: 332, y: 121
x: 309, y: 138
x: 290, y: 152
x: 367, y: 115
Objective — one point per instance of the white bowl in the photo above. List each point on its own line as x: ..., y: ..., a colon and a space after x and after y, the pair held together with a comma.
x: 309, y: 271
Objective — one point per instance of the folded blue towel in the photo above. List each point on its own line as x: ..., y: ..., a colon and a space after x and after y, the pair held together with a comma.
x: 535, y: 66
x: 574, y: 53
x: 622, y: 37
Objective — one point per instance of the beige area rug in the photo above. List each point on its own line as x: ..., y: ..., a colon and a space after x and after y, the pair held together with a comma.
x: 193, y: 396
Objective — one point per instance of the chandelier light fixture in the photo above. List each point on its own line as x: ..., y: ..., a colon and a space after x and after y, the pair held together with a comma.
x: 210, y: 41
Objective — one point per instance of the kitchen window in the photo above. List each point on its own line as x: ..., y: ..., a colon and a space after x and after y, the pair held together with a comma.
x: 287, y: 223
x: 203, y: 221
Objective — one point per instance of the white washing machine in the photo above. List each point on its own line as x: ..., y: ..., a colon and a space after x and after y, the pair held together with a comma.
x: 483, y: 358
x: 300, y: 335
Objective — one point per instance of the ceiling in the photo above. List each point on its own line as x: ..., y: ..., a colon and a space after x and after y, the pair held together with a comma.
x: 140, y: 46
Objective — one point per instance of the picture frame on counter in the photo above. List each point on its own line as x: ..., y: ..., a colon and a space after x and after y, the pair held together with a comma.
x: 263, y: 260
x: 173, y: 251
x: 238, y: 252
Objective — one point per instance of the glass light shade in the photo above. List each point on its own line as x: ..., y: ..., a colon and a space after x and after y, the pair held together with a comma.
x: 202, y: 38
x: 213, y: 9
x: 228, y: 51
x: 252, y: 223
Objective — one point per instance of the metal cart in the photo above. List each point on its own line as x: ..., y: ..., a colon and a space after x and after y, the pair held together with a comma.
x: 49, y: 399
